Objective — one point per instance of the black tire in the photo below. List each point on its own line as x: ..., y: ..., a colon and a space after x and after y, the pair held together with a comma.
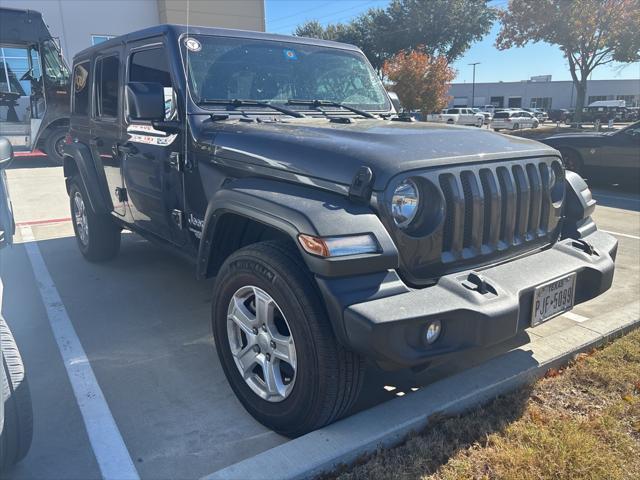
x: 571, y: 160
x: 328, y: 378
x: 496, y: 129
x: 516, y: 126
x: 449, y: 122
x: 101, y: 241
x: 53, y: 145
x: 17, y: 431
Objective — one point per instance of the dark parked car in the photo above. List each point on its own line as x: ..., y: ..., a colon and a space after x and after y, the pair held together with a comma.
x: 559, y: 115
x: 335, y: 229
x: 614, y: 154
x: 16, y: 417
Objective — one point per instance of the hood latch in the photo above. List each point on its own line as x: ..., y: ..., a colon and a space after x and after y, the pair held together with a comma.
x: 362, y: 185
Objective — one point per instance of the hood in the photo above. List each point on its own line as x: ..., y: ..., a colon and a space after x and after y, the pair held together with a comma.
x: 577, y: 135
x: 317, y: 148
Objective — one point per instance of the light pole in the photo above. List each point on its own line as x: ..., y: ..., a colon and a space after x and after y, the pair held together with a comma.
x: 473, y: 85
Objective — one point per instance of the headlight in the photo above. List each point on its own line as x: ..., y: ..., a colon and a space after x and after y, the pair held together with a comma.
x: 404, y: 203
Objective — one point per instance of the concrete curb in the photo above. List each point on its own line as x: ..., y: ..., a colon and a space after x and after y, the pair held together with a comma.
x: 388, y: 424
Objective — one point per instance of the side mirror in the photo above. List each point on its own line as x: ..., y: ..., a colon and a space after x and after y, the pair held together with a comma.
x: 6, y: 152
x: 145, y: 101
x: 395, y: 100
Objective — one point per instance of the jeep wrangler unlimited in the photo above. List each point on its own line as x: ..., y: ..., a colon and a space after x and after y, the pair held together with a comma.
x: 335, y: 229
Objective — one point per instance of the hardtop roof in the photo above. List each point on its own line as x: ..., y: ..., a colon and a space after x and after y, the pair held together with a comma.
x: 177, y: 30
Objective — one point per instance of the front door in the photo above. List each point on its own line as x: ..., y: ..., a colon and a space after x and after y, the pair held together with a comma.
x: 106, y: 124
x: 152, y: 173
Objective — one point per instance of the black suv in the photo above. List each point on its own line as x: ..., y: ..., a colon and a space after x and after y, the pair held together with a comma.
x: 336, y: 230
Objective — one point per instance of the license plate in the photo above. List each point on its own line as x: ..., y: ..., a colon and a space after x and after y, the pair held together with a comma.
x: 553, y: 298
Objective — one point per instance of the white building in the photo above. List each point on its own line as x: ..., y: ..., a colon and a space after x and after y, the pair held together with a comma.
x: 78, y: 24
x: 541, y: 92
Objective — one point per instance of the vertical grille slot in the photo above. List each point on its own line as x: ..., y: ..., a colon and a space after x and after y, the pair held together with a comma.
x: 474, y: 211
x: 546, y: 198
x: 535, y: 207
x: 522, y: 202
x: 454, y: 223
x: 508, y: 206
x: 491, y: 230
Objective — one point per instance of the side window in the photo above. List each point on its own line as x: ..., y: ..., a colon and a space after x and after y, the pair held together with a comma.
x: 81, y: 89
x: 151, y: 65
x: 106, y: 86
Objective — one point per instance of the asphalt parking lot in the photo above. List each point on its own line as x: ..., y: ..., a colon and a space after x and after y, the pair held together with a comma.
x: 143, y: 323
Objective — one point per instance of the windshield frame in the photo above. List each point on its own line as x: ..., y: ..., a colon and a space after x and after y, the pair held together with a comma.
x: 197, y: 107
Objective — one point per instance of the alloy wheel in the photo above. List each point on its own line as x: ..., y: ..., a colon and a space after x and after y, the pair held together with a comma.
x: 80, y: 218
x: 261, y: 343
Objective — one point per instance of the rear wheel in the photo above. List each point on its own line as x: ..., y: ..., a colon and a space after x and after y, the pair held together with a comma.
x: 450, y: 122
x: 17, y: 430
x: 516, y: 126
x: 54, y: 145
x: 97, y: 235
x: 275, y: 342
x: 571, y: 160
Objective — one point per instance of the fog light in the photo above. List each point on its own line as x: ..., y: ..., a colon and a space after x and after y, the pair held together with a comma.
x: 433, y: 331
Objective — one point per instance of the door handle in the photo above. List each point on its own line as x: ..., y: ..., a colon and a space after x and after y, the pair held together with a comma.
x: 126, y: 149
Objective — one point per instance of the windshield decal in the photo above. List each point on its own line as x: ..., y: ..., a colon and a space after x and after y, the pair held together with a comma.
x: 192, y: 44
x: 290, y: 54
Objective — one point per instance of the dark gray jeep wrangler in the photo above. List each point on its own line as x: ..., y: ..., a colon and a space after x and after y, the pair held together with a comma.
x: 336, y: 230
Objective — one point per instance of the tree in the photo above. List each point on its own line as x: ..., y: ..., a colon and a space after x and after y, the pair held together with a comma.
x: 420, y: 80
x: 440, y: 27
x: 590, y: 33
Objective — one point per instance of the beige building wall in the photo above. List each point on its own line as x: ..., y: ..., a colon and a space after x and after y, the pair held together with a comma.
x: 242, y: 14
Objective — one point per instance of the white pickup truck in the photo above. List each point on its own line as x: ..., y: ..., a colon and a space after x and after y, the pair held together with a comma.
x: 457, y: 116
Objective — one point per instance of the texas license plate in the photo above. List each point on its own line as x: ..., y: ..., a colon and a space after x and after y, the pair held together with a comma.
x: 553, y: 298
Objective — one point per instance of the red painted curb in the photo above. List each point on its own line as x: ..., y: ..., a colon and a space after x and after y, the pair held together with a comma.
x: 43, y: 222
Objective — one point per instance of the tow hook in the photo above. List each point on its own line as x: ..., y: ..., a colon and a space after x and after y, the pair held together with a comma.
x: 584, y: 246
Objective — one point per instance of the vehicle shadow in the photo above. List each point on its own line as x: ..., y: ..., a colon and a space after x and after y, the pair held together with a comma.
x: 625, y: 197
x: 36, y: 161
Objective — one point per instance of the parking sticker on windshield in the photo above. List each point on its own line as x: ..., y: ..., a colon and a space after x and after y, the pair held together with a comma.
x: 290, y: 54
x: 192, y: 44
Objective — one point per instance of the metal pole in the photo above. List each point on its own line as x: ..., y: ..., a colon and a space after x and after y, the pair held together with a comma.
x: 473, y: 85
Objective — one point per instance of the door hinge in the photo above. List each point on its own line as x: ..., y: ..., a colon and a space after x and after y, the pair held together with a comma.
x: 178, y: 218
x: 121, y: 194
x: 176, y: 162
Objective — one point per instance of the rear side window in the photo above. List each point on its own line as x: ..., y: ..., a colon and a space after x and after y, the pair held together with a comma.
x: 501, y: 115
x: 81, y: 89
x: 151, y: 65
x: 107, y: 75
x: 453, y: 111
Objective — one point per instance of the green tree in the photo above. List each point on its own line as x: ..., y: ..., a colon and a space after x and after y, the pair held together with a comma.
x: 440, y: 27
x: 590, y: 33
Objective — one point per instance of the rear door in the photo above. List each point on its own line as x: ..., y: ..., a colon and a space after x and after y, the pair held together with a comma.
x: 152, y: 171
x: 106, y: 123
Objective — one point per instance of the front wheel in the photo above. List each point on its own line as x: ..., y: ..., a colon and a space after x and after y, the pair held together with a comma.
x: 97, y: 235
x: 275, y: 342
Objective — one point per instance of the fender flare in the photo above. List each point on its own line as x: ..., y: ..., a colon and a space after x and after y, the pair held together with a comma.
x: 295, y: 209
x: 81, y: 157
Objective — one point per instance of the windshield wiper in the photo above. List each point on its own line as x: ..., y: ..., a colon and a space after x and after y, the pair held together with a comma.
x: 329, y: 103
x: 237, y: 102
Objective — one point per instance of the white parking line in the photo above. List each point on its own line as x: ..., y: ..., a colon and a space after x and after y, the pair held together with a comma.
x: 618, y: 234
x: 616, y: 197
x: 575, y: 317
x: 106, y: 441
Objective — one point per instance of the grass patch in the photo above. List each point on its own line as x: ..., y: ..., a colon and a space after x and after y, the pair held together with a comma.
x: 580, y: 422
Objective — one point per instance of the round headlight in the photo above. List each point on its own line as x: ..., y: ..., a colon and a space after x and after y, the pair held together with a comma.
x: 404, y: 203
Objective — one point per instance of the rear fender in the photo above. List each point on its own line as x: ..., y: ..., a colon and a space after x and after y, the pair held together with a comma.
x: 78, y: 161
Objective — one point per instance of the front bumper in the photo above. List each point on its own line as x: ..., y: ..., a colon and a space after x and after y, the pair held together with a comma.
x: 390, y: 329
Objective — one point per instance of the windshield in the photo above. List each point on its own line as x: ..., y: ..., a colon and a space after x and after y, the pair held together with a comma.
x: 223, y: 68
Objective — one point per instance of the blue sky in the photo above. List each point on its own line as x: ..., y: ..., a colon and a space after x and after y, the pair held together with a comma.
x: 510, y: 65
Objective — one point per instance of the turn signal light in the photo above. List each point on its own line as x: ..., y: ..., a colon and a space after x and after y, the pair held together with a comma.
x: 338, y: 246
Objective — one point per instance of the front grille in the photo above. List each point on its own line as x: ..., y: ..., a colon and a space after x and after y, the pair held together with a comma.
x: 497, y: 208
